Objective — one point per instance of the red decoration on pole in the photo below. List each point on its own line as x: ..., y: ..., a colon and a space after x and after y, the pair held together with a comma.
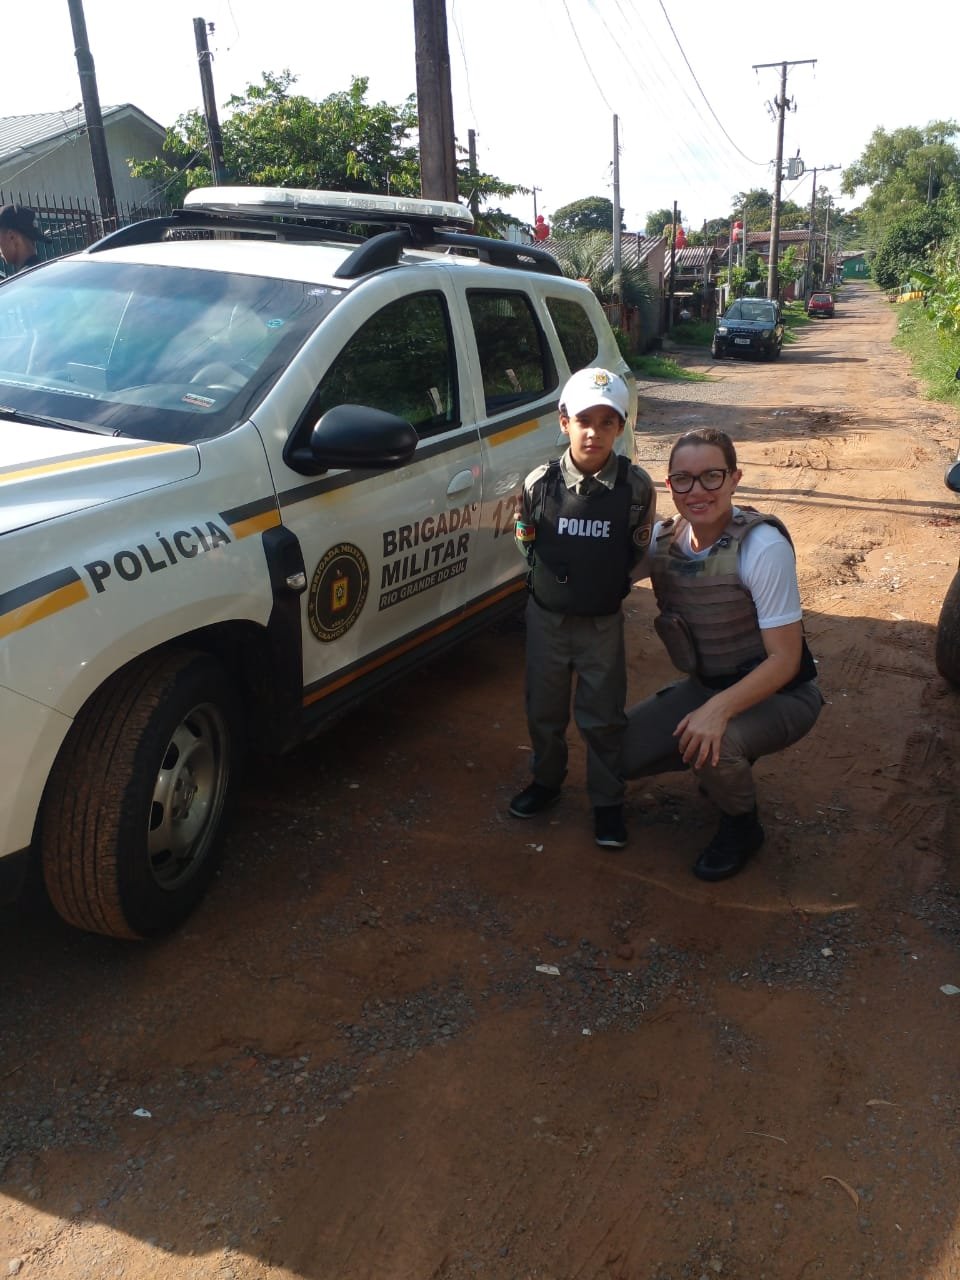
x: 541, y: 229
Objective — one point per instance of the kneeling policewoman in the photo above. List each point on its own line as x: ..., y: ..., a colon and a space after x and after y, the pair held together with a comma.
x: 725, y: 580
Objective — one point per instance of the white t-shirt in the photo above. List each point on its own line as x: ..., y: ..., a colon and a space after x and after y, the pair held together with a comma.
x: 766, y: 566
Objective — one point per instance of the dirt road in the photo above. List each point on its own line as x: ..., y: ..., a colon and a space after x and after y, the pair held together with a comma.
x: 349, y: 1065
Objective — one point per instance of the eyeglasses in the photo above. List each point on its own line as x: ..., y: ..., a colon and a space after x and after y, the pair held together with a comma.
x: 683, y: 481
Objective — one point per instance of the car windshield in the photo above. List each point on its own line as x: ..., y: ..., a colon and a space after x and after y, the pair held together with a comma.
x: 160, y: 353
x: 751, y: 309
x: 821, y: 297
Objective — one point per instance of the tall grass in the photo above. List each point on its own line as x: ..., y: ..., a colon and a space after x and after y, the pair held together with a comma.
x: 935, y: 357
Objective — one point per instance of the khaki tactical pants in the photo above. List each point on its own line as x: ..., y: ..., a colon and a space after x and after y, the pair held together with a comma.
x: 559, y: 645
x: 777, y: 722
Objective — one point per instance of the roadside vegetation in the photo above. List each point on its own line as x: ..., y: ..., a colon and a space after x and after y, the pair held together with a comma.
x: 935, y: 355
x: 660, y: 366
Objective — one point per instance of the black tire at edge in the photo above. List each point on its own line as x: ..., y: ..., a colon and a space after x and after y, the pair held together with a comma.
x: 947, y: 651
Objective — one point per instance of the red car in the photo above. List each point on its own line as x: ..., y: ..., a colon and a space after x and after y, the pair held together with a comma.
x: 820, y: 304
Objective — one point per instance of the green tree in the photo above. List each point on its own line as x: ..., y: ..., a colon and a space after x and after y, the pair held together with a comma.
x: 275, y: 137
x: 593, y: 213
x: 906, y: 169
x: 908, y: 244
x: 659, y: 219
x: 753, y: 207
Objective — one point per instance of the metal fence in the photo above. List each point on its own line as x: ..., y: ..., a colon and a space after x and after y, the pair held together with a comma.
x: 69, y: 223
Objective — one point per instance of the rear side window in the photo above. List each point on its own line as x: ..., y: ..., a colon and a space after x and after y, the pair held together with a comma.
x: 515, y: 360
x: 402, y: 361
x: 576, y: 333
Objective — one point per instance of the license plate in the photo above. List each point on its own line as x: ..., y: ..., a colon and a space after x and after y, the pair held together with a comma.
x: 741, y: 342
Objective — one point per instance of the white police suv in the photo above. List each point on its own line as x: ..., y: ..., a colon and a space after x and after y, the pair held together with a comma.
x: 257, y: 459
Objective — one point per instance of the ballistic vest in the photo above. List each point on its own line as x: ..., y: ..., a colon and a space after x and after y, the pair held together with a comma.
x: 583, y: 553
x: 708, y: 621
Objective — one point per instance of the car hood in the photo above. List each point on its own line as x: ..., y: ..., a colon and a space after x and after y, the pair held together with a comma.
x: 47, y: 472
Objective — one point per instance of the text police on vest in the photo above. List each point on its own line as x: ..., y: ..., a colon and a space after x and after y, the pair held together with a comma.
x: 578, y: 527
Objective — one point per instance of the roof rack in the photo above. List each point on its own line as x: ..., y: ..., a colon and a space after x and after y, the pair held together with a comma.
x: 386, y: 249
x: 285, y: 213
x: 152, y: 230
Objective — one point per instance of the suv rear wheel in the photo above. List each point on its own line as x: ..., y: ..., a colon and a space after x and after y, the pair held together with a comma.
x: 136, y: 799
x: 947, y: 652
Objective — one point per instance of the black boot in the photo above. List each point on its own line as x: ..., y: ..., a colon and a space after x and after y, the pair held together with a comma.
x: 533, y: 800
x: 737, y: 837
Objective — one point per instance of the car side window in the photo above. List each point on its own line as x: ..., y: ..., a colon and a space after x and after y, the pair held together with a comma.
x: 401, y: 360
x: 515, y: 360
x: 577, y: 336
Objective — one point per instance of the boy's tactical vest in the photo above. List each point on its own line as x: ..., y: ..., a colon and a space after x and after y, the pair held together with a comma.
x: 708, y: 621
x: 583, y: 553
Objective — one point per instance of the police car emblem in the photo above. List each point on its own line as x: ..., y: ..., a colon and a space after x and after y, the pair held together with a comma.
x: 338, y: 591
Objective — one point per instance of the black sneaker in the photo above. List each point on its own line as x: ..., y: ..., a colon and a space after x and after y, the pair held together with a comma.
x: 738, y: 836
x: 609, y: 829
x: 533, y: 800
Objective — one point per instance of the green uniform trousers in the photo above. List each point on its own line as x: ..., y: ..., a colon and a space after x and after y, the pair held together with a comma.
x: 650, y: 748
x: 559, y: 646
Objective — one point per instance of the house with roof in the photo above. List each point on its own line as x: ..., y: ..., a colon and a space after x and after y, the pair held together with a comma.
x: 853, y: 264
x: 691, y: 278
x: 45, y: 157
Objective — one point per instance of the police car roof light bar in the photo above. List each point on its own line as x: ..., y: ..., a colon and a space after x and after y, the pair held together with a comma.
x: 342, y: 206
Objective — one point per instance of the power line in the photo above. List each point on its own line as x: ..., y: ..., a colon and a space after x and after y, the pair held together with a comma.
x: 463, y: 56
x: 702, y: 94
x: 698, y: 183
x: 586, y: 59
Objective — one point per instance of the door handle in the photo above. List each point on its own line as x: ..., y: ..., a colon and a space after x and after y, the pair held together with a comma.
x: 460, y: 483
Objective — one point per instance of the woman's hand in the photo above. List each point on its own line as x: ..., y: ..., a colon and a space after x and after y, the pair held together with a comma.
x: 700, y: 733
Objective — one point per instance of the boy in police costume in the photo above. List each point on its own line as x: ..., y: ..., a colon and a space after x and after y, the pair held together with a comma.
x: 584, y: 520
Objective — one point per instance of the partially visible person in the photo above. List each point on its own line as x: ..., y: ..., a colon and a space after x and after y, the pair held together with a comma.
x: 584, y: 521
x: 18, y: 236
x: 725, y: 580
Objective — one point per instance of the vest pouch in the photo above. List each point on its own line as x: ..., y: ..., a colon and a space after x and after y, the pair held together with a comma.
x: 677, y: 640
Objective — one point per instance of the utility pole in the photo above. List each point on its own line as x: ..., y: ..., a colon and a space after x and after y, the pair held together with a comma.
x: 673, y: 263
x: 94, y: 120
x: 781, y: 103
x: 617, y: 218
x: 808, y: 274
x: 472, y: 154
x: 438, y: 161
x: 826, y: 242
x: 535, y: 190
x: 214, y: 140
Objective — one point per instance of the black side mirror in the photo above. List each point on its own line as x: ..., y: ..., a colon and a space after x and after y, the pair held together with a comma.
x: 354, y: 435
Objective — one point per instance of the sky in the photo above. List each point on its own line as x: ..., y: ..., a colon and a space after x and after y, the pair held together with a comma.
x: 541, y: 81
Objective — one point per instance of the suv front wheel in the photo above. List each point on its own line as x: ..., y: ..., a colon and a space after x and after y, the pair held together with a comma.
x: 135, y: 802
